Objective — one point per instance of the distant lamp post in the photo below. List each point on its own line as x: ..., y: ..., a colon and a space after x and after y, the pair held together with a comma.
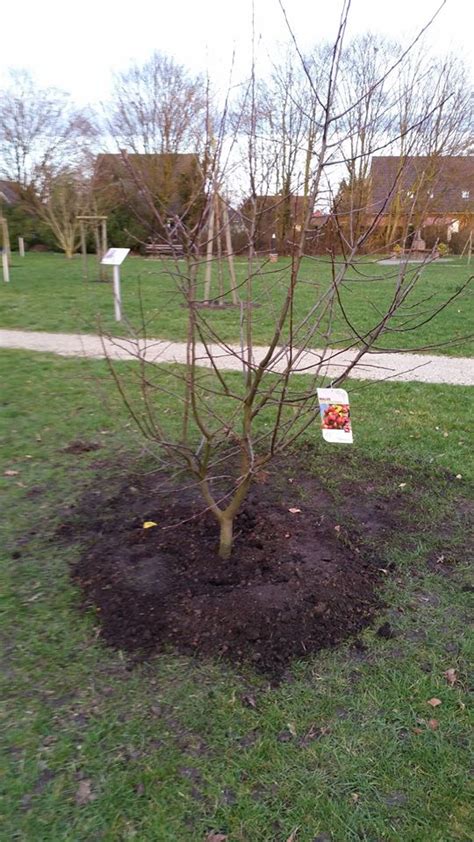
x: 273, y: 249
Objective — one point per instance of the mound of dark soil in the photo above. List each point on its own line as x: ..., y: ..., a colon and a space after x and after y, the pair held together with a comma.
x: 296, y: 582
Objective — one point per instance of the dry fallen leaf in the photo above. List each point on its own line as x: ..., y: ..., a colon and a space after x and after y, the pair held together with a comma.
x: 149, y: 524
x: 10, y: 473
x: 402, y: 484
x: 294, y: 510
x: 417, y: 730
x: 451, y: 676
x: 249, y: 701
x: 292, y: 836
x: 433, y: 724
x: 216, y: 837
x: 355, y: 797
x: 434, y: 702
x: 337, y: 528
x: 84, y: 793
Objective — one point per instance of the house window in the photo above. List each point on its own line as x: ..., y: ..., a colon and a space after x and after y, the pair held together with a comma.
x: 465, y: 194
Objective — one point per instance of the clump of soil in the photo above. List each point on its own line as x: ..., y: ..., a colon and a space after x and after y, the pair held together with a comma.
x: 79, y: 446
x: 296, y: 582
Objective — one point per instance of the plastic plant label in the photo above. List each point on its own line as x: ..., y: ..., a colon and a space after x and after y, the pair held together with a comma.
x: 335, y: 415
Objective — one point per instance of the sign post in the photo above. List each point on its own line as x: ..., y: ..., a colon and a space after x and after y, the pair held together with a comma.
x: 114, y: 258
x: 117, y: 297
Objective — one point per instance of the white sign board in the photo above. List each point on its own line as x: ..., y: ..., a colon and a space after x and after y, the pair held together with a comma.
x: 335, y: 415
x: 114, y: 257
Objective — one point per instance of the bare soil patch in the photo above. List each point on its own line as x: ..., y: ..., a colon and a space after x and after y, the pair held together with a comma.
x: 296, y: 582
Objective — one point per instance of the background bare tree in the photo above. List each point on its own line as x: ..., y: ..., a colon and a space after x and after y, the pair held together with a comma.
x: 40, y: 131
x: 159, y: 117
x: 45, y: 150
x: 434, y: 97
x: 158, y: 108
x: 366, y: 101
x: 277, y: 121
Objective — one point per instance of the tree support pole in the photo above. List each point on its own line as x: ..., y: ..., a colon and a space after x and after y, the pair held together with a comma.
x: 209, y: 249
x: 85, y: 267
x: 230, y: 254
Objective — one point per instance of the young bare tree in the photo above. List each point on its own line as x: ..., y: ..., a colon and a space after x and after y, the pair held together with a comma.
x: 229, y: 429
x: 65, y: 196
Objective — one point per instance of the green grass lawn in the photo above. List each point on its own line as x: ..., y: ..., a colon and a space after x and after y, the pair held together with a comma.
x: 97, y: 747
x: 47, y: 293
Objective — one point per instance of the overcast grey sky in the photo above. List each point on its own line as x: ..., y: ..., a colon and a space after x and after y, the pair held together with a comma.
x: 77, y: 47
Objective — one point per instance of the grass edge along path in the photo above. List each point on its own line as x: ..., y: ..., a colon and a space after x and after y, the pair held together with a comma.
x: 47, y: 292
x: 421, y: 368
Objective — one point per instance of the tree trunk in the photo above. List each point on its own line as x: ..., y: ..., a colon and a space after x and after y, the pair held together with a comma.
x: 225, y: 540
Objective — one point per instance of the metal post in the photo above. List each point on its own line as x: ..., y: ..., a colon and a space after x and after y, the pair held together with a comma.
x: 117, y: 299
x: 6, y: 268
x: 21, y: 246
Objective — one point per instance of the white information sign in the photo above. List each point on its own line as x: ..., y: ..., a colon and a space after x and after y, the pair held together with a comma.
x: 115, y: 257
x: 335, y: 415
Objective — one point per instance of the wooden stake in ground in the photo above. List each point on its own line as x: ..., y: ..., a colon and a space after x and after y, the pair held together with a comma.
x: 21, y: 246
x: 209, y: 249
x: 85, y: 265
x: 219, y: 231
x: 5, y: 238
x: 100, y: 237
x: 468, y: 248
x: 6, y: 268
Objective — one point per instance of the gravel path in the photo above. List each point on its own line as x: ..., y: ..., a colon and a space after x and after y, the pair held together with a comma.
x: 407, y: 367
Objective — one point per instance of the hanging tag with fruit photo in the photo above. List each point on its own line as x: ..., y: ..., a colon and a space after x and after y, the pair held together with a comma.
x: 335, y: 415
